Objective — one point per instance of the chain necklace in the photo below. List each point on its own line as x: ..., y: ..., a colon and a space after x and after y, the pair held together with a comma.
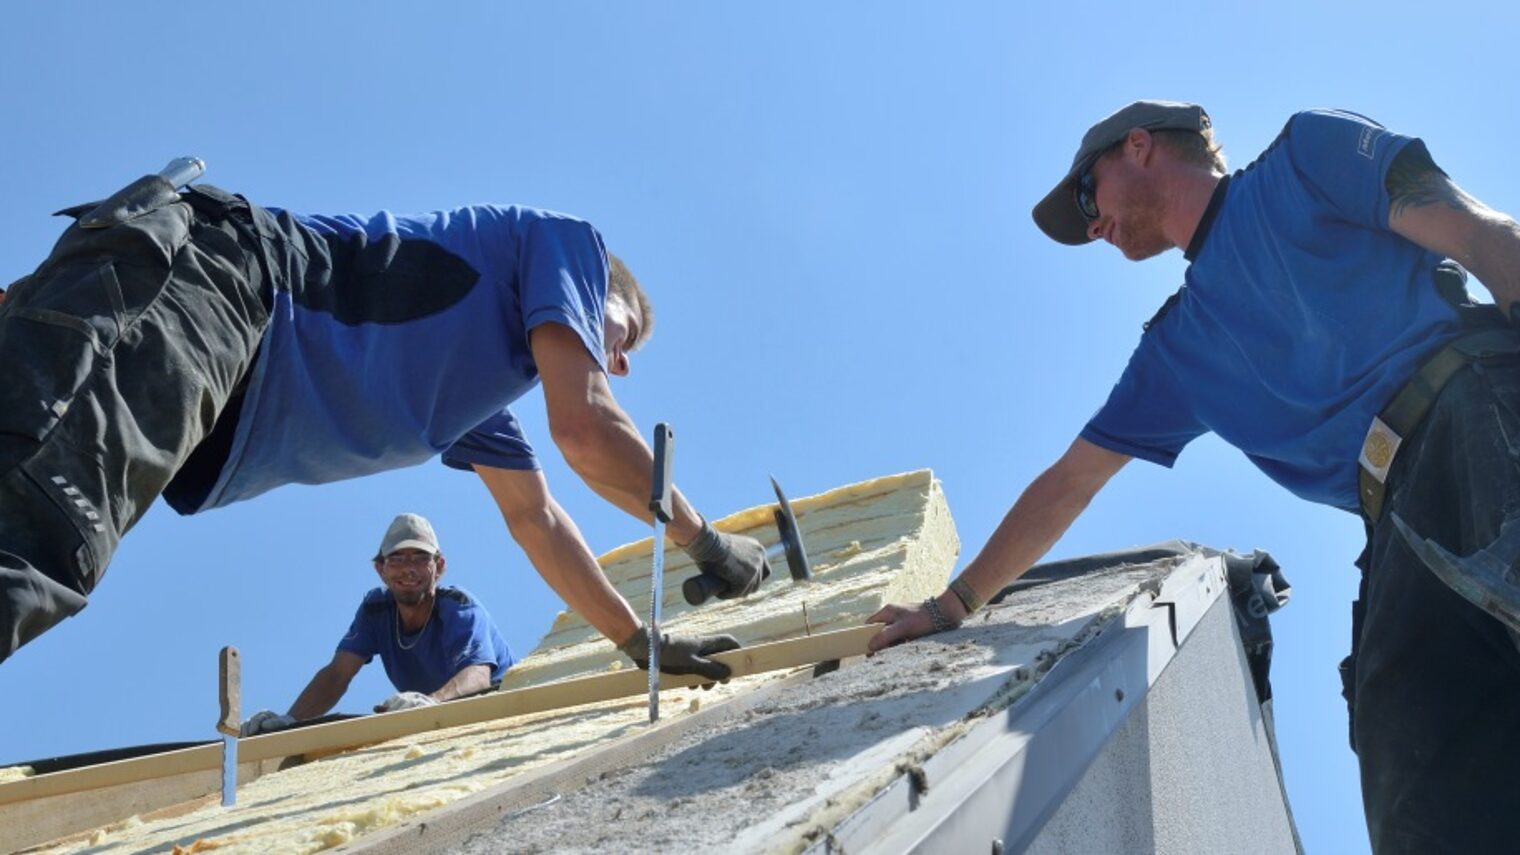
x: 419, y: 632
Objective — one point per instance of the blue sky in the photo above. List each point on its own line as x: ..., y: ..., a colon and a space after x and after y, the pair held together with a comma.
x: 829, y: 204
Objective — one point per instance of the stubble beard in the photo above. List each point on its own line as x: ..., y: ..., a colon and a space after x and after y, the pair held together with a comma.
x: 1140, y: 229
x: 413, y: 598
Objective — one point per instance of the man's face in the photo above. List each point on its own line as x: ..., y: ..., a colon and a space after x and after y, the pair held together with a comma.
x: 411, y: 575
x: 620, y: 331
x: 1128, y: 201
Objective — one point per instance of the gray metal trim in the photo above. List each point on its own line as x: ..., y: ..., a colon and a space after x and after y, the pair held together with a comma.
x: 1012, y: 771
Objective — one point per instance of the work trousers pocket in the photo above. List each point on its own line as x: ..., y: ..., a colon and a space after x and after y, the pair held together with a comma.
x: 51, y: 338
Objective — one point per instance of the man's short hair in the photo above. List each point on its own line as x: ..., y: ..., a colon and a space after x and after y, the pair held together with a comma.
x: 620, y: 282
x: 1196, y: 147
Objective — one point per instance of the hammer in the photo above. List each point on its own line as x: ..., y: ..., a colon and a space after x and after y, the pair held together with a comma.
x: 702, y: 587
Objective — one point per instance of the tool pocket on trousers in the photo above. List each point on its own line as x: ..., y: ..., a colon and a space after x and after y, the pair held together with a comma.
x: 50, y: 343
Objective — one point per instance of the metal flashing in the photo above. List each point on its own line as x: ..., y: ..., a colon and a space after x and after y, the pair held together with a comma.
x: 1013, y: 770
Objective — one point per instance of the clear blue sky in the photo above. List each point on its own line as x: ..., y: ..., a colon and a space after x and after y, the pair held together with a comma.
x: 830, y: 206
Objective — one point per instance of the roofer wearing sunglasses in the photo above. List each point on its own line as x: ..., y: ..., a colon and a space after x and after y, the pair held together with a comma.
x: 1320, y: 331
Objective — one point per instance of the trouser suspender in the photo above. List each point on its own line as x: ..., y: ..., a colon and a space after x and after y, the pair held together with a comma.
x: 1403, y: 414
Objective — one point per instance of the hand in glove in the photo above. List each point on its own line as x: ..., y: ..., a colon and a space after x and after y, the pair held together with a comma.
x: 682, y: 654
x: 733, y: 559
x: 265, y: 721
x: 405, y: 701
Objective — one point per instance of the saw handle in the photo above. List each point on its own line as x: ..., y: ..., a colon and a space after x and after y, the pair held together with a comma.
x: 229, y: 690
x: 659, y: 494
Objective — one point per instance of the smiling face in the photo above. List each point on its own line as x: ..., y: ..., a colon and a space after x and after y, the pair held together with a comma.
x: 1130, y: 206
x: 411, y: 575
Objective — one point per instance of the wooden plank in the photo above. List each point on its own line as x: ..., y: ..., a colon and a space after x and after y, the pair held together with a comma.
x: 369, y: 730
x: 43, y: 820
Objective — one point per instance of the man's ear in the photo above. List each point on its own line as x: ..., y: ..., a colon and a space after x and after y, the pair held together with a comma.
x: 442, y: 565
x: 379, y: 568
x: 1139, y: 145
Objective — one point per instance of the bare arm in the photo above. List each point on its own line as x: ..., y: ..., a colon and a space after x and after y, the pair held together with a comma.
x: 470, y: 679
x: 557, y: 551
x: 1037, y: 520
x: 1427, y: 207
x: 326, y: 687
x: 598, y: 439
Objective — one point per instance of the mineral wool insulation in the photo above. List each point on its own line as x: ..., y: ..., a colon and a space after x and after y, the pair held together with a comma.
x: 886, y: 540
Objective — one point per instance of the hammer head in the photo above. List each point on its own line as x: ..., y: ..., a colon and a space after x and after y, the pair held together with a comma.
x: 700, y: 588
x: 791, y: 538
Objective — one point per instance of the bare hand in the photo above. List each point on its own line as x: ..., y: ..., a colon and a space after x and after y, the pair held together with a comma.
x: 903, y: 623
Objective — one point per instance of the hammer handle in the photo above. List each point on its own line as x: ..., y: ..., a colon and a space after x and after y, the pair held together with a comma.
x: 701, y: 588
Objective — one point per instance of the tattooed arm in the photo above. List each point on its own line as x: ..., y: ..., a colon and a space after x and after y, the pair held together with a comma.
x: 1428, y: 208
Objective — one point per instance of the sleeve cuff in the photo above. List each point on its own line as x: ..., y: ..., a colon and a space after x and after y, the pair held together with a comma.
x: 1112, y: 443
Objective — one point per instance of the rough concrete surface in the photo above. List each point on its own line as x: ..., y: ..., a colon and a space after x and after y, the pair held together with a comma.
x: 758, y: 782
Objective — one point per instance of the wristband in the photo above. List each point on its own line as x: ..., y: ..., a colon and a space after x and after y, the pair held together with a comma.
x: 966, y: 594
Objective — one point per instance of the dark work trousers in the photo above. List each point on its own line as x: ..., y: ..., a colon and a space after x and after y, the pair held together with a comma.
x: 1434, y: 683
x: 117, y: 355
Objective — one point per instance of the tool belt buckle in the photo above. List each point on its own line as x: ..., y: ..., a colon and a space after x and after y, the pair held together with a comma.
x: 1378, y: 449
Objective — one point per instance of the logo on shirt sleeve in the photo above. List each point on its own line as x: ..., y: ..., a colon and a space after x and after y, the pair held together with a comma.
x: 1368, y: 141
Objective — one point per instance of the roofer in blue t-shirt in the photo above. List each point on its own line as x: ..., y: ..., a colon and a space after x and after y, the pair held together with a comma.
x: 436, y: 644
x: 1319, y: 330
x: 193, y: 344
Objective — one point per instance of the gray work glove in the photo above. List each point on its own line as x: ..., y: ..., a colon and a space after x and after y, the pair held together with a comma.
x: 405, y: 701
x: 733, y: 559
x: 682, y: 654
x: 264, y: 721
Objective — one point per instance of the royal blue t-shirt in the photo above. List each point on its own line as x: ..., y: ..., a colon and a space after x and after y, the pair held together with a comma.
x: 1300, y: 317
x: 459, y: 634
x: 412, y: 345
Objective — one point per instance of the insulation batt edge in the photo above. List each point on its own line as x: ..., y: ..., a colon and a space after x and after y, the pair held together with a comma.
x: 885, y: 540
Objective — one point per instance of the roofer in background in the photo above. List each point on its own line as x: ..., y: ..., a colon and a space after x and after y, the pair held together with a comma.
x: 436, y: 644
x: 197, y: 345
x: 1318, y: 331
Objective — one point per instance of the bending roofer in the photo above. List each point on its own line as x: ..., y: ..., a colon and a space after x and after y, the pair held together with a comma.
x: 1319, y: 330
x: 436, y: 643
x: 197, y: 345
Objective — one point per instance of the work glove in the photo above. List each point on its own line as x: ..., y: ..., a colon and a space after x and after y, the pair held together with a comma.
x: 265, y: 721
x: 405, y: 701
x: 733, y: 559
x: 682, y: 654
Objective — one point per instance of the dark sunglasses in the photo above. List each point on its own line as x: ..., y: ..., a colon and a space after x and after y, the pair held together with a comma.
x: 1087, y: 194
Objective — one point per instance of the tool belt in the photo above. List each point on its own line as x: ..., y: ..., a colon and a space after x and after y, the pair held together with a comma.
x: 1408, y: 407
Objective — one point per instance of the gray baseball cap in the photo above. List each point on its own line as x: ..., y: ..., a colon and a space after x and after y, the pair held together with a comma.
x: 408, y: 531
x: 1057, y: 214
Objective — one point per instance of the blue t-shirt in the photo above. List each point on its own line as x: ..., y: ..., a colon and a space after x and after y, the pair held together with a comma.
x: 459, y: 634
x: 413, y: 344
x: 1300, y: 316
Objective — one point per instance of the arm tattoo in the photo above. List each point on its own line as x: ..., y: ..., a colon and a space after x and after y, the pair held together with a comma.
x: 1414, y: 181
